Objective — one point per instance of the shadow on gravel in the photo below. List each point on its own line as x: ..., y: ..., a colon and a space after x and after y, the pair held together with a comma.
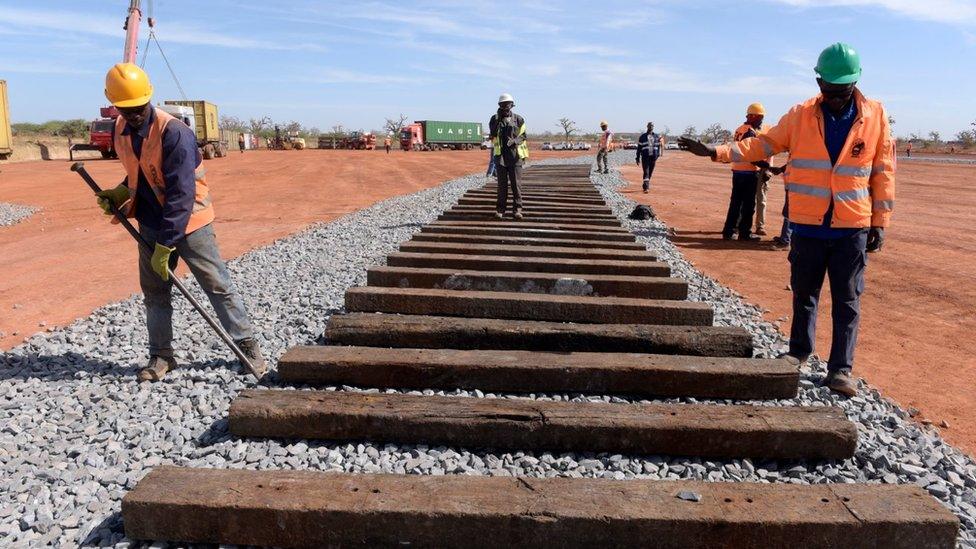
x: 402, y: 226
x: 77, y: 366
x: 101, y: 535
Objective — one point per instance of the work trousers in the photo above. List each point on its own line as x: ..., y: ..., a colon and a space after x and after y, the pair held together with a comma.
x: 647, y: 165
x: 843, y: 261
x: 199, y: 251
x: 787, y: 229
x: 508, y: 176
x: 762, y: 187
x: 601, y: 159
x: 742, y: 204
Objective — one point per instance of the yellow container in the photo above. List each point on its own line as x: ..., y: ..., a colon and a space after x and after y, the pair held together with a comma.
x: 5, y: 139
x: 205, y: 118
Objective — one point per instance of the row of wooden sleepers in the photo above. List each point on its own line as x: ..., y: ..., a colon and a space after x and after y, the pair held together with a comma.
x: 563, y: 301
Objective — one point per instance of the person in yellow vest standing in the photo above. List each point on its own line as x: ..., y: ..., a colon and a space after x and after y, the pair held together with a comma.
x: 606, y: 145
x: 840, y: 183
x: 165, y: 190
x: 509, y: 149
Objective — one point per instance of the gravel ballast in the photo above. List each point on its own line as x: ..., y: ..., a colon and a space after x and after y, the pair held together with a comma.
x: 77, y: 431
x: 11, y: 214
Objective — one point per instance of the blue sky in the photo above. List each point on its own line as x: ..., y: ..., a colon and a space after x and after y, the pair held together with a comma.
x: 677, y: 63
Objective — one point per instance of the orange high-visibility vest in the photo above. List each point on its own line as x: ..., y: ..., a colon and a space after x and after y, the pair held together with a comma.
x: 743, y: 133
x: 151, y: 164
x: 862, y: 182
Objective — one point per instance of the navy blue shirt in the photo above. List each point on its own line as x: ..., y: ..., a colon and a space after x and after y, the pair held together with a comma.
x: 180, y: 159
x: 836, y: 129
x: 649, y: 145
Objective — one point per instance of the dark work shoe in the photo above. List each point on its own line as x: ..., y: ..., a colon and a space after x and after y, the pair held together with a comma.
x: 646, y: 186
x: 252, y: 351
x: 749, y: 238
x: 157, y: 368
x: 780, y: 242
x: 840, y: 381
x: 727, y: 236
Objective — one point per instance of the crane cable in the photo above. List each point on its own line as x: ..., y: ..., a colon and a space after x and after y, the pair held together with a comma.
x: 153, y: 38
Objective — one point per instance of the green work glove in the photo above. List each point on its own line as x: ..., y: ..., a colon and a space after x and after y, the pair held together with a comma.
x: 116, y: 197
x: 160, y: 260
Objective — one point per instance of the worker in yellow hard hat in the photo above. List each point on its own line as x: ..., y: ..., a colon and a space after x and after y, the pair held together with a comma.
x: 606, y: 145
x: 762, y: 184
x: 745, y: 181
x: 166, y: 191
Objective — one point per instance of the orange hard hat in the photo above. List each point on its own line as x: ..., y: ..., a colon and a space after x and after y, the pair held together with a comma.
x: 756, y: 108
x: 127, y: 85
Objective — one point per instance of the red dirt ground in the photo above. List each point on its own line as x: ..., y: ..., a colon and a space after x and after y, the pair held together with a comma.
x: 67, y: 260
x: 919, y: 309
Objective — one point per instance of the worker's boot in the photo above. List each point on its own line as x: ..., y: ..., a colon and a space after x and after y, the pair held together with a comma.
x: 646, y: 186
x: 749, y: 238
x: 157, y: 368
x: 840, y: 381
x: 793, y: 359
x: 499, y: 215
x: 252, y: 351
x: 518, y: 214
x: 761, y: 231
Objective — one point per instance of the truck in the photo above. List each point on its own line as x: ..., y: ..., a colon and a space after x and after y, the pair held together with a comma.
x: 360, y: 141
x: 6, y: 142
x: 201, y: 117
x: 430, y: 135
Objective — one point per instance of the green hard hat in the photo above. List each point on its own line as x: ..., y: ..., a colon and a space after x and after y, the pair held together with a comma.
x: 839, y: 64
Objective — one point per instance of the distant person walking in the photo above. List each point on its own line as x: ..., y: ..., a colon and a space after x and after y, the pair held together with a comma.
x: 240, y: 142
x: 841, y: 187
x: 908, y: 149
x: 648, y: 151
x: 509, y: 151
x: 606, y: 145
x: 387, y: 143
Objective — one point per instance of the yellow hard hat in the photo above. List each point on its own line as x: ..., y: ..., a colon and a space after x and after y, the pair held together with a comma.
x: 603, y: 123
x: 756, y: 108
x: 127, y: 85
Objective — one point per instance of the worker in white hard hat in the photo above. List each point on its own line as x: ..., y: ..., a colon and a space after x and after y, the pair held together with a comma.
x: 510, y: 149
x: 606, y: 145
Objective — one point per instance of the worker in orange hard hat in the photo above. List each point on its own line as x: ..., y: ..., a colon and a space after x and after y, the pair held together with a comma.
x: 840, y: 184
x: 166, y: 190
x: 745, y: 181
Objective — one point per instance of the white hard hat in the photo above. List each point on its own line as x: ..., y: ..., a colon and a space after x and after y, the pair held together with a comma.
x: 505, y: 97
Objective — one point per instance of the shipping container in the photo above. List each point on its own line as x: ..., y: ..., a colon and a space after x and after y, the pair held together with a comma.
x: 437, y: 134
x: 5, y: 135
x: 205, y: 118
x: 205, y: 126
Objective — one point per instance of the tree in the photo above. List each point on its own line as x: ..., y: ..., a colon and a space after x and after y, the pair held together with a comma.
x: 568, y: 126
x: 665, y: 132
x: 936, y: 137
x: 691, y: 132
x: 715, y: 134
x: 258, y: 125
x: 291, y: 127
x: 312, y: 132
x: 337, y: 130
x: 233, y: 124
x: 967, y: 137
x: 395, y: 125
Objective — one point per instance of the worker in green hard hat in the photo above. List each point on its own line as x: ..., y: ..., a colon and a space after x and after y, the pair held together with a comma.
x: 840, y: 184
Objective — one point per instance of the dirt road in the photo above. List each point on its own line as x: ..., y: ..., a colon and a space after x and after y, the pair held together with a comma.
x: 919, y: 309
x: 67, y: 260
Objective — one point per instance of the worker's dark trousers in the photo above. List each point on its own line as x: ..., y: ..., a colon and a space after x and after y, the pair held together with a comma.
x: 602, y: 165
x: 787, y: 229
x: 200, y: 253
x: 843, y: 261
x: 647, y: 164
x: 508, y: 176
x: 742, y: 205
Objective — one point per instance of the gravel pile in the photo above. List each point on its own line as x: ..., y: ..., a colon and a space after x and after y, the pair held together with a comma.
x: 77, y: 431
x: 11, y: 214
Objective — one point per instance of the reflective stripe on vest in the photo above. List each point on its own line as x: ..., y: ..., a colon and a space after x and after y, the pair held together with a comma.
x: 149, y: 163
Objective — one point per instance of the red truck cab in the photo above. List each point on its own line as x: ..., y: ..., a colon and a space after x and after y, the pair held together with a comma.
x: 412, y: 137
x: 102, y: 131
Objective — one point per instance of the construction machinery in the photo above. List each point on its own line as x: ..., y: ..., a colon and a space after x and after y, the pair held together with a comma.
x: 6, y: 145
x: 431, y: 135
x: 290, y: 141
x: 200, y: 116
x: 360, y: 141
